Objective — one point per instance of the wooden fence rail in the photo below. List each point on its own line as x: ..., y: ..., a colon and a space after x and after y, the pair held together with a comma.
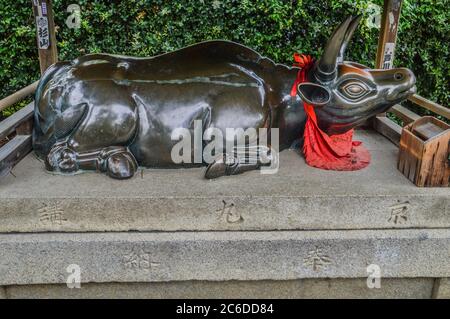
x: 430, y: 105
x: 392, y: 130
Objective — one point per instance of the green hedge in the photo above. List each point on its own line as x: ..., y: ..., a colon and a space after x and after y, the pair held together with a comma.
x: 276, y: 28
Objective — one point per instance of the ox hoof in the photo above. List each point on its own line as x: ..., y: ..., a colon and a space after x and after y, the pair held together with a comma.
x: 222, y: 166
x: 62, y: 159
x: 121, y: 165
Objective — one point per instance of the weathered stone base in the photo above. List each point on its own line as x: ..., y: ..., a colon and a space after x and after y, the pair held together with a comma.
x: 442, y: 288
x: 298, y: 197
x: 304, y: 288
x: 221, y: 256
x: 300, y: 233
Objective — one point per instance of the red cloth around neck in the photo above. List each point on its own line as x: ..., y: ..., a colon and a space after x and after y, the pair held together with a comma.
x: 332, y: 152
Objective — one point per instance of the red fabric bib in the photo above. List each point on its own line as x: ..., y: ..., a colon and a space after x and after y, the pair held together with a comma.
x: 331, y: 152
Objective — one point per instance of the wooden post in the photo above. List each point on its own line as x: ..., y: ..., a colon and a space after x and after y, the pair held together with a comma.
x: 388, y: 34
x: 387, y: 41
x: 45, y: 33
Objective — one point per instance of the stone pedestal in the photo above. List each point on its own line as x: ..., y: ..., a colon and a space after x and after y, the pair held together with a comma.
x: 302, y: 232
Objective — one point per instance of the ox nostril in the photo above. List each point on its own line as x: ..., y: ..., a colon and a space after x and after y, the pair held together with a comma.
x: 398, y: 76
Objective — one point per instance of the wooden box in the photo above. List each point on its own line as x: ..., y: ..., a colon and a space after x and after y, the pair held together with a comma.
x: 424, y: 152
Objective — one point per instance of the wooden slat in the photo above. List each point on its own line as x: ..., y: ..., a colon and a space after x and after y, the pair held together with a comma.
x: 435, y: 170
x: 9, y: 125
x: 410, y: 151
x: 406, y: 115
x: 14, y: 151
x: 388, y: 33
x: 18, y: 96
x: 430, y: 105
x: 49, y: 55
x: 388, y: 128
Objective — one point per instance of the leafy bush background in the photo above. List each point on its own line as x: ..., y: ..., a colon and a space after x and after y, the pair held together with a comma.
x: 275, y: 28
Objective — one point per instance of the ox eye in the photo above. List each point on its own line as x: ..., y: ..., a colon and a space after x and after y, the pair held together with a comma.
x: 353, y: 90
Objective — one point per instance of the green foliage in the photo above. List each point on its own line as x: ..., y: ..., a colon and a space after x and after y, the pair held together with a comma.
x: 275, y: 28
x: 424, y: 47
x: 19, y: 64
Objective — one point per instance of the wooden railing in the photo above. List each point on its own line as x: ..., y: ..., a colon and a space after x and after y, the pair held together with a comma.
x: 392, y: 130
x: 16, y: 130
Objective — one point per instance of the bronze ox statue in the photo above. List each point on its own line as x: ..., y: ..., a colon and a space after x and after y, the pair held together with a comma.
x: 114, y: 113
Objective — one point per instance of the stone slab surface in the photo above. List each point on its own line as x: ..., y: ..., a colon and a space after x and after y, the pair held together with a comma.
x: 221, y: 256
x: 298, y: 197
x: 304, y: 288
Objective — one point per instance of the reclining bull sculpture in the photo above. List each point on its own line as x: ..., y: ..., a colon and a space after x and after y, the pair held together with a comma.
x: 114, y: 113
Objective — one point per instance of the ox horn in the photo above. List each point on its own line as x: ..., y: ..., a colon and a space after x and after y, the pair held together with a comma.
x: 326, y: 67
x: 348, y: 36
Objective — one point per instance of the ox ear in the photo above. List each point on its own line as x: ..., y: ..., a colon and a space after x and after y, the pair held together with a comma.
x: 314, y: 94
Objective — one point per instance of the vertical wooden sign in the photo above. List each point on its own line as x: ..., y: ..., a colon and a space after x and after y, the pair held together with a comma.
x: 45, y: 33
x: 388, y: 34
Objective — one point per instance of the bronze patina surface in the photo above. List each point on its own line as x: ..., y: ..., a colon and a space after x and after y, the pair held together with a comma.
x: 115, y: 113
